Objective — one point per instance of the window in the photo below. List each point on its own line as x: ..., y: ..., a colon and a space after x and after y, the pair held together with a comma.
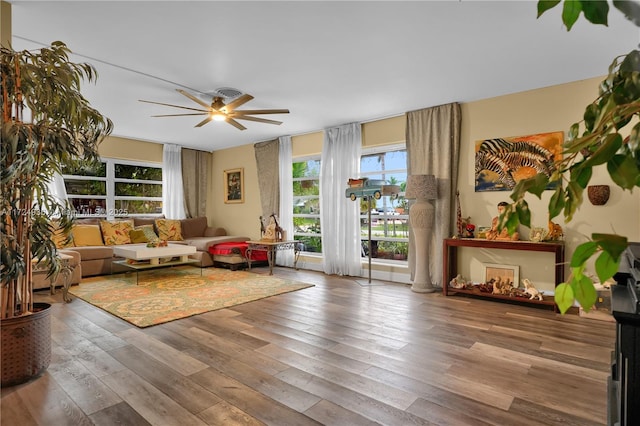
x: 389, y: 217
x: 306, y: 204
x: 114, y: 188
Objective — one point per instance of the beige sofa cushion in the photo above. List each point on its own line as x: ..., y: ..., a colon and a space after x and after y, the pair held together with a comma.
x: 193, y: 227
x: 203, y: 243
x: 141, y: 221
x: 95, y: 252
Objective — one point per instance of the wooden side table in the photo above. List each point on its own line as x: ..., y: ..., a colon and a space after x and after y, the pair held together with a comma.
x: 271, y: 247
x: 66, y: 270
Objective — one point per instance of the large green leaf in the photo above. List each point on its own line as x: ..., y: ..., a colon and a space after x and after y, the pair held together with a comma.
x: 573, y: 199
x: 584, y: 291
x: 596, y: 11
x: 571, y: 12
x: 544, y: 5
x: 524, y: 214
x: 606, y: 266
x: 581, y: 173
x: 611, y: 243
x: 581, y: 143
x: 623, y: 170
x: 610, y: 145
x: 583, y: 252
x: 556, y: 203
x: 563, y: 297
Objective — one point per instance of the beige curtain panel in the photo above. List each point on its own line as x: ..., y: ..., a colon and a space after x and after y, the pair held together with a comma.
x: 195, y: 181
x: 267, y: 162
x: 433, y: 147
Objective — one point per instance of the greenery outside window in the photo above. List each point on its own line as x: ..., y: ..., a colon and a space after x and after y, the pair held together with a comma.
x: 114, y: 188
x: 389, y: 217
x: 306, y: 203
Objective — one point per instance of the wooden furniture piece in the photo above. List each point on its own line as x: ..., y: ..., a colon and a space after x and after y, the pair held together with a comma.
x: 139, y: 257
x: 66, y: 270
x: 271, y: 248
x: 450, y: 263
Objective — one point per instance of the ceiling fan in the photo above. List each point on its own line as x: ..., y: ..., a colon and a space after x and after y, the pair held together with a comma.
x: 219, y: 111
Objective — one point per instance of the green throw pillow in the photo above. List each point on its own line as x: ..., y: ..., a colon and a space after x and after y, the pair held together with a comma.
x: 142, y: 234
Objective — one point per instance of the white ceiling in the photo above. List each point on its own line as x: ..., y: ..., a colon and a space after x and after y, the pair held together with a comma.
x: 329, y: 62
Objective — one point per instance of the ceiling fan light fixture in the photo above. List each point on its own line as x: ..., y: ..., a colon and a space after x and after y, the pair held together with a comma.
x: 216, y: 116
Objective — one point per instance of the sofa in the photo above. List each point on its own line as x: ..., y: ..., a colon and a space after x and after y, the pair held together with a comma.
x: 94, y: 244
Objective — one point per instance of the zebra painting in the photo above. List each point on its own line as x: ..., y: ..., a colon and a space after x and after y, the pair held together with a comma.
x: 501, y: 162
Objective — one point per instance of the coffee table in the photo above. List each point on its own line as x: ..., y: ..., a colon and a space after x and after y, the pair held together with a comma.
x: 141, y: 253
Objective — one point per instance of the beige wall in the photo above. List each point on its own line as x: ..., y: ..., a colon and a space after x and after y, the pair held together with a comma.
x: 130, y: 149
x: 545, y: 110
x: 243, y: 218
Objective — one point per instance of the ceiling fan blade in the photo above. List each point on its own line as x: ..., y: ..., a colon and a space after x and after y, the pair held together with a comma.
x: 235, y: 123
x: 175, y: 106
x: 193, y: 98
x: 259, y: 120
x: 237, y: 102
x: 203, y: 122
x: 180, y: 115
x: 261, y: 111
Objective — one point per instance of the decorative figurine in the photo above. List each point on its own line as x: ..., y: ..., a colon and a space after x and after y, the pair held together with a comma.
x: 458, y: 282
x: 459, y: 223
x: 503, y: 235
x: 469, y: 229
x: 537, y: 234
x: 555, y: 232
x: 531, y: 290
x: 270, y: 232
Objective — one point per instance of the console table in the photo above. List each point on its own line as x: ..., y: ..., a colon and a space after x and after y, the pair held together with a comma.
x: 271, y: 247
x: 450, y: 263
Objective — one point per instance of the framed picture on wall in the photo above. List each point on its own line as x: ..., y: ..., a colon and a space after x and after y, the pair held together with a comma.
x: 234, y: 186
x: 502, y: 162
x: 509, y: 274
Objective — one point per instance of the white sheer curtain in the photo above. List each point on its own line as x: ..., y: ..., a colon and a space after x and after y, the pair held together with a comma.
x: 57, y: 189
x: 172, y: 191
x: 339, y: 216
x: 58, y: 192
x: 285, y: 213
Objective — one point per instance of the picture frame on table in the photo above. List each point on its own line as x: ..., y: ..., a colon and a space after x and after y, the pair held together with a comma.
x: 234, y: 186
x: 508, y: 273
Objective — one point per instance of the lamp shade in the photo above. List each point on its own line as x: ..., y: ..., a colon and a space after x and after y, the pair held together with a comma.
x: 421, y: 187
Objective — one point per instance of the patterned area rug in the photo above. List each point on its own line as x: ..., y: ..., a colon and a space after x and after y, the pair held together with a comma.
x: 164, y: 295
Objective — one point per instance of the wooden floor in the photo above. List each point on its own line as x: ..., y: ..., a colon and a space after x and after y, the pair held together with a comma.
x: 339, y: 353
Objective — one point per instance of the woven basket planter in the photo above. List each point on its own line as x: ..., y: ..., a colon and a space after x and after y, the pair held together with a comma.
x: 26, y: 345
x: 598, y: 194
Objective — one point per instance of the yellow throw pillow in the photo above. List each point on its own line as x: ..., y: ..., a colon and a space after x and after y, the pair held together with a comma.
x: 116, y: 232
x: 87, y: 235
x: 60, y: 238
x: 169, y: 229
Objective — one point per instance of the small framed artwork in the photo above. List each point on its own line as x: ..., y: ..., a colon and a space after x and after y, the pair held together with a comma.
x: 502, y: 273
x: 234, y: 186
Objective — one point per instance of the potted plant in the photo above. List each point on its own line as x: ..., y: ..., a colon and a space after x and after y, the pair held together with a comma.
x: 598, y: 140
x: 46, y: 123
